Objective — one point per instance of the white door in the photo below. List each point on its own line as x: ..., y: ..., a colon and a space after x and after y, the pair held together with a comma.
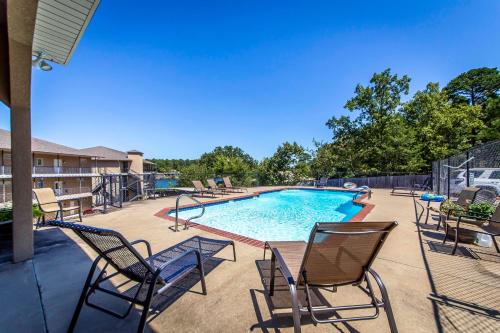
x: 58, y: 187
x: 57, y: 165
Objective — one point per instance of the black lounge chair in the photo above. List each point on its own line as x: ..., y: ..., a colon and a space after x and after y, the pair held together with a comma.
x: 337, y: 254
x: 154, y: 274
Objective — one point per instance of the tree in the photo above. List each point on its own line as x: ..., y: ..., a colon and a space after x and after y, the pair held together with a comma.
x: 442, y: 128
x: 288, y: 165
x: 378, y: 139
x: 491, y: 118
x: 229, y: 160
x: 475, y: 86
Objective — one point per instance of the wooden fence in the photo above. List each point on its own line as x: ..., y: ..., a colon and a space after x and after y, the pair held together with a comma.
x: 381, y: 181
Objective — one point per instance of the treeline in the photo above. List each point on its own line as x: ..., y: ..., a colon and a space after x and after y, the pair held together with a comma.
x: 383, y: 135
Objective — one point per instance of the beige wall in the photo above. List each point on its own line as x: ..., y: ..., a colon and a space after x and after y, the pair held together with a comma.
x: 104, y: 166
x: 136, y: 164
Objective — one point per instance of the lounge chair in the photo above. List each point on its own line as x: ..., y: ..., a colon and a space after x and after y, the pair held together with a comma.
x: 154, y: 274
x: 337, y: 254
x: 214, y: 187
x: 199, y: 188
x: 230, y: 187
x: 425, y: 186
x: 481, y: 225
x: 49, y: 204
x: 322, y: 182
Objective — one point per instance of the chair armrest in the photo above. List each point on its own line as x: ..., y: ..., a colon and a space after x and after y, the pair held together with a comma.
x: 148, y: 246
x: 283, y: 267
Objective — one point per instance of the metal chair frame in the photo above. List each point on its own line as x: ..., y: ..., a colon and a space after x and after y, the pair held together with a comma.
x: 367, y: 271
x: 151, y: 279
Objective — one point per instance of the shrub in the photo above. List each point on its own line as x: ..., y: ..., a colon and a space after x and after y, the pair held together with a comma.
x: 6, y: 213
x: 483, y: 210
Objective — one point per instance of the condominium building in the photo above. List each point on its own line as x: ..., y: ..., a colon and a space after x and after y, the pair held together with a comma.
x: 75, y: 173
x: 67, y: 170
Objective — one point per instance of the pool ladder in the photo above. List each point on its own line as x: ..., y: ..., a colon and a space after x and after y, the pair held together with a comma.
x: 186, y: 224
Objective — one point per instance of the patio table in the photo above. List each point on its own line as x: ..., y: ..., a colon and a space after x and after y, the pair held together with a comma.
x: 428, y: 197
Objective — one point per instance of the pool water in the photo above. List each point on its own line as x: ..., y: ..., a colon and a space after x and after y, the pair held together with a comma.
x: 280, y: 215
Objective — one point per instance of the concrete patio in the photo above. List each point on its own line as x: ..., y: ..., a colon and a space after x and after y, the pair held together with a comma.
x: 430, y: 290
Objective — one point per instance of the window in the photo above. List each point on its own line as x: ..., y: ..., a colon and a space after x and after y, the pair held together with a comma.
x: 39, y: 162
x: 39, y: 183
x: 477, y: 173
x: 495, y: 174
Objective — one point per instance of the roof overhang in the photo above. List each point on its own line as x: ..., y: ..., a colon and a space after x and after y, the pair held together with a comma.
x: 59, y: 27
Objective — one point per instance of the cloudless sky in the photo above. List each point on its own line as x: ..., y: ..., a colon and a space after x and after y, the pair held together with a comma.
x: 174, y: 79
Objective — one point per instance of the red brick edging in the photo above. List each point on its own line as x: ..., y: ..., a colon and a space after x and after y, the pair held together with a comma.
x: 359, y: 217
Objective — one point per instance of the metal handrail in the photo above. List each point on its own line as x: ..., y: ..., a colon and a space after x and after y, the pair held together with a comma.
x: 186, y: 225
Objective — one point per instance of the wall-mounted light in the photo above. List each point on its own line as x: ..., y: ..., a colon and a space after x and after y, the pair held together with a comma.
x: 40, y: 63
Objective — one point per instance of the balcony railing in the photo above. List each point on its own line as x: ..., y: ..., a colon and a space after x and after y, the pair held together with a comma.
x: 60, y: 170
x: 52, y: 170
x: 72, y: 190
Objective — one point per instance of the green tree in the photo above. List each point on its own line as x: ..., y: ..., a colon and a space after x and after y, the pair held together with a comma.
x: 209, y: 159
x: 378, y: 139
x: 475, y: 86
x: 491, y: 116
x: 288, y: 165
x: 442, y: 128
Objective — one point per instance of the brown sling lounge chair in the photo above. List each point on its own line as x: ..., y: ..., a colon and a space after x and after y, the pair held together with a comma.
x: 337, y: 254
x: 48, y: 203
x: 200, y: 189
x: 230, y: 187
x: 214, y: 187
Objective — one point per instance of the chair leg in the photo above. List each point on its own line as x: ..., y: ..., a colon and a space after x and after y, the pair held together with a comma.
x: 147, y: 304
x: 445, y: 233
x: 387, y: 303
x: 234, y: 251
x: 295, y: 309
x: 495, y: 243
x: 83, y: 295
x: 456, y: 241
x: 273, y: 270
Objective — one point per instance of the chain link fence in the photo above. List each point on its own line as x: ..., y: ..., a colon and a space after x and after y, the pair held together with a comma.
x: 478, y: 166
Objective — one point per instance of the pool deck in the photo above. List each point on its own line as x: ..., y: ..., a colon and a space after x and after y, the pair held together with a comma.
x: 430, y: 290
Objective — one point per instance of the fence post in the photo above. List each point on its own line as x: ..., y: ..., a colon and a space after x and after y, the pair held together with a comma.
x: 468, y: 168
x: 449, y: 176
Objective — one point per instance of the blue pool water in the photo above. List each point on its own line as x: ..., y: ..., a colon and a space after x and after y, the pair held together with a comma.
x: 281, y: 215
x: 165, y: 183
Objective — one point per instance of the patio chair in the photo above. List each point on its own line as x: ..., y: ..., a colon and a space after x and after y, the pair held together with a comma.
x: 214, y: 187
x: 465, y: 198
x: 337, y: 254
x: 49, y: 204
x: 153, y: 275
x: 199, y: 188
x: 425, y: 186
x: 229, y: 186
x: 477, y: 224
x: 322, y: 182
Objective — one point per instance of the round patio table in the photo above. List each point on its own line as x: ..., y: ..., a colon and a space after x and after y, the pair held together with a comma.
x: 428, y: 198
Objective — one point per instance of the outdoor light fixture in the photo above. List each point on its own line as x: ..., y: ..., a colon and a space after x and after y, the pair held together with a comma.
x: 40, y: 63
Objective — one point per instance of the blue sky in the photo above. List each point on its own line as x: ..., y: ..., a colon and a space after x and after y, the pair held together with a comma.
x: 174, y: 79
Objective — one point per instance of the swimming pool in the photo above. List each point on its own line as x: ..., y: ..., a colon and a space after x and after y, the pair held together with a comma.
x: 278, y: 215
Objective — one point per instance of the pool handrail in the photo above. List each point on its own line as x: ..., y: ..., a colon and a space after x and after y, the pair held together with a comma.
x: 186, y: 224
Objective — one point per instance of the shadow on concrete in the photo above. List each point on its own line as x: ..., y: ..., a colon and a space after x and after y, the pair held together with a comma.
x: 464, y: 287
x: 281, y: 300
x: 61, y: 266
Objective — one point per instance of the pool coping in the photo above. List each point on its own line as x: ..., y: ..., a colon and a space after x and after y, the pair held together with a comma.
x: 359, y: 217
